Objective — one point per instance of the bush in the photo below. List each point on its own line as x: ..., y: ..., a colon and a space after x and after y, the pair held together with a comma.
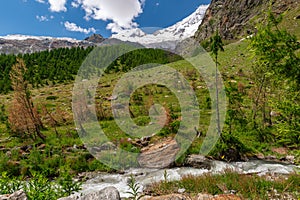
x: 9, y: 185
x: 229, y: 148
x: 67, y: 185
x: 51, y: 97
x: 39, y: 187
x: 165, y: 131
x: 78, y: 164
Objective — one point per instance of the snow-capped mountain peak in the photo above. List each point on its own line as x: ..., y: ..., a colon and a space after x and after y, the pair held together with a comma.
x: 188, y: 26
x: 179, y: 31
x: 133, y: 33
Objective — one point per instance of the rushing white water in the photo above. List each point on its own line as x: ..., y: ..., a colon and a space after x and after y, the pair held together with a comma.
x: 147, y: 176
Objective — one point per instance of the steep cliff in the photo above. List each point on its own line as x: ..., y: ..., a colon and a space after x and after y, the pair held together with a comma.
x: 237, y: 18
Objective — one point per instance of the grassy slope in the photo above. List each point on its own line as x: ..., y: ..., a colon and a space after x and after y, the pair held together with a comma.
x: 234, y: 65
x: 290, y: 22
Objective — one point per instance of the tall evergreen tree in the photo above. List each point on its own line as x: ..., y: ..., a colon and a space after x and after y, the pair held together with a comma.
x: 216, y: 46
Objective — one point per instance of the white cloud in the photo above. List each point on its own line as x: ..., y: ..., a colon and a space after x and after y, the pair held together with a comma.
x: 42, y: 18
x: 41, y: 1
x: 75, y: 4
x: 73, y: 27
x: 121, y: 12
x: 57, y: 5
x: 114, y: 27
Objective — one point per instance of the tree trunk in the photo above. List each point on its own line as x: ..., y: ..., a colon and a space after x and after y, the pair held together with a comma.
x: 217, y: 99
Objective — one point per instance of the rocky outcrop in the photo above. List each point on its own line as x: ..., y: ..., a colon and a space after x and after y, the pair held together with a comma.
x: 287, y: 159
x: 95, y: 38
x: 141, y: 142
x: 109, y: 193
x: 18, y: 195
x: 198, y: 161
x: 104, y: 147
x: 236, y: 18
x: 159, y: 155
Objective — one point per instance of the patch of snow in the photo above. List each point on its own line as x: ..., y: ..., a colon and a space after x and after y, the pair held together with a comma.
x: 179, y: 31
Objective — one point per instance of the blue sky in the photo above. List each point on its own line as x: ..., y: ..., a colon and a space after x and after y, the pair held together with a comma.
x: 81, y: 18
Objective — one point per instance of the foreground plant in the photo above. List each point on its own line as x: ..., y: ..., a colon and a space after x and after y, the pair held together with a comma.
x: 9, y: 185
x: 134, y: 187
x: 39, y: 187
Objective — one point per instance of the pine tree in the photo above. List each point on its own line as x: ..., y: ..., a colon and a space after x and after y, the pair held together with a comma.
x: 216, y: 46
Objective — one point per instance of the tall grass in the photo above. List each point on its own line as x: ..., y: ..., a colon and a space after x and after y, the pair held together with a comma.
x: 247, y: 186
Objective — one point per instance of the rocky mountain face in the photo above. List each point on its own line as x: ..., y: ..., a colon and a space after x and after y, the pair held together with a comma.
x: 95, y: 38
x: 15, y: 44
x: 237, y: 18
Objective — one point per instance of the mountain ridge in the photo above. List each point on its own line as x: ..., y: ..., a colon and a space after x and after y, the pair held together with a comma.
x: 181, y: 30
x: 21, y: 44
x: 26, y: 37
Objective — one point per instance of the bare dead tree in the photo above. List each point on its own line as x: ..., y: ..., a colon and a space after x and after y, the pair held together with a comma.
x: 23, y: 116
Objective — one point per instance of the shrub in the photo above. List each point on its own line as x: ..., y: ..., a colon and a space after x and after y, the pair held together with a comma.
x: 8, y: 185
x: 52, y: 97
x: 67, y: 185
x: 229, y: 148
x: 39, y: 187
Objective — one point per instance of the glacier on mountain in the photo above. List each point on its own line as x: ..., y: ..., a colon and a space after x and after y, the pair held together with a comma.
x: 179, y: 31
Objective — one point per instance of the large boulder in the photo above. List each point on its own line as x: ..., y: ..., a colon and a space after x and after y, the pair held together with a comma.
x: 159, y: 155
x: 198, y: 161
x: 18, y: 195
x: 109, y: 193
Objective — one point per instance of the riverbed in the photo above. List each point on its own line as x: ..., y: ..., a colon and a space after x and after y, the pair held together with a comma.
x: 146, y: 176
